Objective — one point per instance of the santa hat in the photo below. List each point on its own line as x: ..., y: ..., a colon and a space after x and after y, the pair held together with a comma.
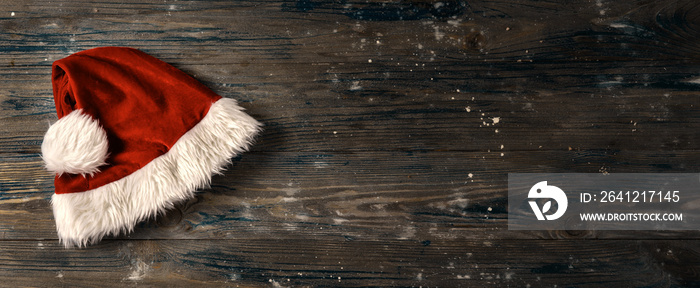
x: 134, y: 136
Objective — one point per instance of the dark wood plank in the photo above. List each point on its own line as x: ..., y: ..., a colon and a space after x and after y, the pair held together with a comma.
x: 371, y: 196
x: 307, y: 83
x: 376, y: 114
x: 644, y: 120
x: 183, y: 263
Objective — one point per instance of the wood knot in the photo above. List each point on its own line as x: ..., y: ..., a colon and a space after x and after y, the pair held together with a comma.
x: 474, y: 41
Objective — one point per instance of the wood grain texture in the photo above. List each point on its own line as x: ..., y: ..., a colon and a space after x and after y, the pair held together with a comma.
x: 225, y: 263
x: 390, y: 128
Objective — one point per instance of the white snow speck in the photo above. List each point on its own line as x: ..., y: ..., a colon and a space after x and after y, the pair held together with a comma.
x: 496, y: 120
x: 12, y: 14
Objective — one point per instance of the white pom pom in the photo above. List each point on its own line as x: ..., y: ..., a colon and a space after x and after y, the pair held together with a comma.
x: 75, y: 144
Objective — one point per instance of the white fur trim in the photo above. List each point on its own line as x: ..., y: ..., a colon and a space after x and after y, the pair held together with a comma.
x: 86, y: 217
x: 75, y: 144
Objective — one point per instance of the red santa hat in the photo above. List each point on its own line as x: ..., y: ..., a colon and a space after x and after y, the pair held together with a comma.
x: 134, y: 136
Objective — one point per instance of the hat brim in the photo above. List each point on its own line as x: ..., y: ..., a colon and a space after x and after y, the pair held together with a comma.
x: 86, y: 217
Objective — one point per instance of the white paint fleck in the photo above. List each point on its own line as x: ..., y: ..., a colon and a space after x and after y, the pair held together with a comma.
x: 289, y: 190
x: 693, y: 81
x: 470, y: 175
x: 139, y: 271
x: 172, y: 7
x: 454, y: 22
x: 378, y: 206
x: 459, y: 202
x: 275, y: 284
x: 438, y: 35
x: 496, y: 120
x: 12, y: 14
x: 59, y: 274
x: 407, y: 233
x: 601, y: 11
x: 234, y: 277
x: 464, y: 277
x: 369, y: 61
x: 502, y: 146
x: 490, y: 209
x: 620, y: 25
x: 469, y: 109
x: 419, y: 277
x: 355, y: 86
x: 339, y: 221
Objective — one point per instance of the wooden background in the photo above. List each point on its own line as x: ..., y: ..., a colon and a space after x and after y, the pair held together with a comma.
x: 390, y: 128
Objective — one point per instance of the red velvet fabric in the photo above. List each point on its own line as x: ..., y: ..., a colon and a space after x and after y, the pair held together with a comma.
x: 145, y: 105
